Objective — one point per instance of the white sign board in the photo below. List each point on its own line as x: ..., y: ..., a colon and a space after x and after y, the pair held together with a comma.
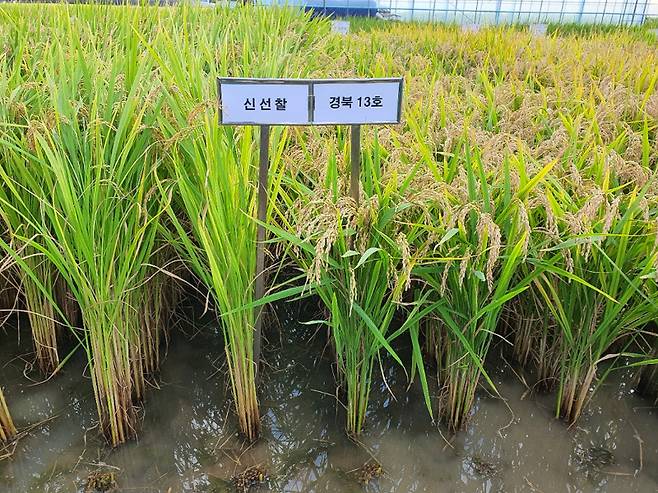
x: 244, y: 102
x: 538, y: 29
x: 471, y: 28
x: 309, y: 102
x: 340, y: 27
x: 356, y: 102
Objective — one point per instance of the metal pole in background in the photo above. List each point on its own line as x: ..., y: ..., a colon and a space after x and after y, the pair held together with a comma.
x: 634, y: 12
x: 581, y: 11
x: 259, y: 290
x: 644, y: 11
x: 605, y: 8
x: 355, y: 158
x: 622, y: 20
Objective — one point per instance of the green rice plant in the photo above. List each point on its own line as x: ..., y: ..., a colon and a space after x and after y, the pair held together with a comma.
x: 358, y: 260
x: 211, y: 171
x: 89, y: 165
x: 610, y: 252
x: 39, y: 307
x: 42, y: 317
x: 216, y: 237
x: 39, y: 294
x: 103, y: 258
x: 471, y: 274
x: 7, y: 428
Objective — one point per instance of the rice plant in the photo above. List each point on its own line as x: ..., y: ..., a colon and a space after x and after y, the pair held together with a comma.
x: 358, y: 260
x: 42, y: 317
x: 471, y: 273
x: 211, y: 175
x: 520, y: 188
x: 615, y: 257
x: 215, y: 190
x: 89, y: 166
x: 7, y: 428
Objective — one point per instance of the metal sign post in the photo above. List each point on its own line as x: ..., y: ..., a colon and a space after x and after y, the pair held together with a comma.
x: 265, y: 102
x: 259, y: 288
x: 355, y: 158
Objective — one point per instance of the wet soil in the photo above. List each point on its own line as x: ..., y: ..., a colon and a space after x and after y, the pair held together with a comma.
x: 188, y: 443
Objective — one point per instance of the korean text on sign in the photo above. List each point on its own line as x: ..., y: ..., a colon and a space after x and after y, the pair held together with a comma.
x: 356, y: 102
x: 309, y: 102
x: 269, y: 103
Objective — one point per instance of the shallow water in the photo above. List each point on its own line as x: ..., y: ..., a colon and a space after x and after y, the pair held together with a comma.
x: 188, y: 444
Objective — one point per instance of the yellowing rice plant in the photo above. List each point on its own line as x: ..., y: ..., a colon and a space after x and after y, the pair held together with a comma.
x: 7, y: 428
x: 516, y: 204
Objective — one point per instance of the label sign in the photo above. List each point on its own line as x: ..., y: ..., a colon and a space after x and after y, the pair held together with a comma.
x: 340, y: 27
x: 309, y: 102
x: 472, y: 28
x: 249, y: 102
x: 356, y: 102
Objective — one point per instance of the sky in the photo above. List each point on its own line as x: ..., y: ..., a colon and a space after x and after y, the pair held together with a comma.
x: 653, y: 8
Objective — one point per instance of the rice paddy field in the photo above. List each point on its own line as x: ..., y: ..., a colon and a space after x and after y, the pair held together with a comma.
x: 483, y: 318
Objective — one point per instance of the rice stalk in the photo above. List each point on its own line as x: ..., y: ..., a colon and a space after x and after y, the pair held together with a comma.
x: 90, y: 172
x: 211, y: 173
x: 7, y: 428
x: 19, y: 203
x: 598, y: 297
x: 471, y: 275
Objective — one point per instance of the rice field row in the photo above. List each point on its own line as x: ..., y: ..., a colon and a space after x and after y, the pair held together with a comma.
x: 517, y: 202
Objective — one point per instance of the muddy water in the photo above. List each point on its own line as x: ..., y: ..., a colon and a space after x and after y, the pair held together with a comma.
x: 187, y: 443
